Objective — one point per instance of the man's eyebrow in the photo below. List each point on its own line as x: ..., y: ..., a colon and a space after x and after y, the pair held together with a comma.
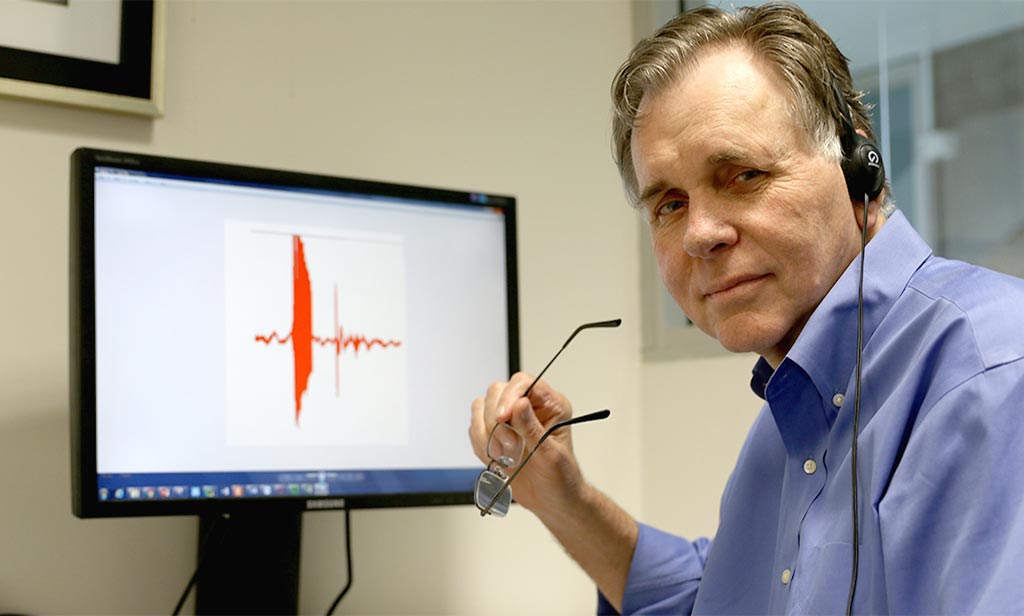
x: 730, y: 155
x: 727, y: 156
x: 757, y: 155
x: 651, y: 191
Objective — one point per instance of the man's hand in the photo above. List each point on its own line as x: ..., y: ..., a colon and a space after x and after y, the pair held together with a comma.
x: 552, y: 479
x: 596, y: 532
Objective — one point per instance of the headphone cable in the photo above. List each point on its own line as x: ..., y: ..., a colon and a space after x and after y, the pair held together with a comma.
x: 856, y: 414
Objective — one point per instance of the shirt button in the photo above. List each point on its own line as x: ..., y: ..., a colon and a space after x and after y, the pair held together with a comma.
x: 787, y: 575
x: 810, y: 466
x: 837, y: 400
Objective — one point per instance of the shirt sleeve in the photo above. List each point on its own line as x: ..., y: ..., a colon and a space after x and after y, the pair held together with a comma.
x: 663, y: 576
x: 952, y: 520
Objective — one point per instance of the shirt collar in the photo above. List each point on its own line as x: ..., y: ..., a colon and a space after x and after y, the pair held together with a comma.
x: 826, y: 348
x: 762, y: 373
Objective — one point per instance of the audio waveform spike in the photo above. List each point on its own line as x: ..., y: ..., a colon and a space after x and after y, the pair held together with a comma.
x: 302, y: 322
x: 301, y: 335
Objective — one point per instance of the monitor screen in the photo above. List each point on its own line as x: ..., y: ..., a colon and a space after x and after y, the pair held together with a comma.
x: 251, y: 338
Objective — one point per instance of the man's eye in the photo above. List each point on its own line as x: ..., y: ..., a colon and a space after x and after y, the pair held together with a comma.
x: 669, y: 207
x: 750, y: 174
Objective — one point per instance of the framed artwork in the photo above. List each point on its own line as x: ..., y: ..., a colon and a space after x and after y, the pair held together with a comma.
x: 104, y: 54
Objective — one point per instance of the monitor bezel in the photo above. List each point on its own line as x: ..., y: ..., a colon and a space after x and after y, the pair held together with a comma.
x: 84, y: 478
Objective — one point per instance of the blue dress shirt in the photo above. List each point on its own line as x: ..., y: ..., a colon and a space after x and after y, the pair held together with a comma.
x: 940, y: 456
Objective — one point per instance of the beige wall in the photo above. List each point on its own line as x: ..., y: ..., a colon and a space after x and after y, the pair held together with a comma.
x: 696, y: 415
x: 506, y: 97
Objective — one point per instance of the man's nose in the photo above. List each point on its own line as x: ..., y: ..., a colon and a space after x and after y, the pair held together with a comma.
x: 708, y: 229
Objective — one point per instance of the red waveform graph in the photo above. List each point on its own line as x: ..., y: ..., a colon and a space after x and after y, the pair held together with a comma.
x: 301, y: 335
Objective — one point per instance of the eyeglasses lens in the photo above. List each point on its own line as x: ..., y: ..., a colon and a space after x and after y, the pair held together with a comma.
x: 489, y: 484
x: 505, y: 446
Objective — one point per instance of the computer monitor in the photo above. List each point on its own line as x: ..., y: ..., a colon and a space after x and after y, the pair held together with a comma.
x: 248, y: 339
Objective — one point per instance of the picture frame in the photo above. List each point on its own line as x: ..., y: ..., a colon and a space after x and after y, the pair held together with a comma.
x: 101, y: 54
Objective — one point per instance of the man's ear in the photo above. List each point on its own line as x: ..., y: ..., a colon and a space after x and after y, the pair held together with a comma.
x: 875, y: 217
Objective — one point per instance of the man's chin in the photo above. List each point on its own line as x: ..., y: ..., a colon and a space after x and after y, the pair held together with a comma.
x: 746, y: 338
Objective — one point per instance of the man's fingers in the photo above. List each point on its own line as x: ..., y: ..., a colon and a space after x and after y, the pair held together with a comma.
x: 478, y: 429
x: 512, y: 394
x: 488, y: 411
x: 505, y: 402
x: 524, y: 419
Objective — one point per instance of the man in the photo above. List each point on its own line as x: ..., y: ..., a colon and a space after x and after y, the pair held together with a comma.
x: 728, y: 135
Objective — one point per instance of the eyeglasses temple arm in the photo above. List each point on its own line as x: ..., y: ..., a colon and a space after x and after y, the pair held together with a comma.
x: 575, y: 420
x: 595, y: 416
x: 611, y: 323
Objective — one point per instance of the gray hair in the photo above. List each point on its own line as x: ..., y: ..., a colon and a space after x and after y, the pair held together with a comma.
x: 802, y: 54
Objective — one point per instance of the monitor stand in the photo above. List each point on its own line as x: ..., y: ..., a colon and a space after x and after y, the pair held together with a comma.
x: 252, y: 565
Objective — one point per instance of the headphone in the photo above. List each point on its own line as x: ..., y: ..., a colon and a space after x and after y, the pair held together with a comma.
x: 865, y: 177
x: 862, y: 162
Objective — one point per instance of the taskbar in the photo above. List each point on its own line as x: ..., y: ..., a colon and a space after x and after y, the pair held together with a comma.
x: 198, y: 486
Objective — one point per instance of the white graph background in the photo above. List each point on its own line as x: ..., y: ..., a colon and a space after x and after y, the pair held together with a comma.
x: 352, y: 398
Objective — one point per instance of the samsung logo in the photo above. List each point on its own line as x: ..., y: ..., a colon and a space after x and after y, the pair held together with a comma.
x: 327, y: 503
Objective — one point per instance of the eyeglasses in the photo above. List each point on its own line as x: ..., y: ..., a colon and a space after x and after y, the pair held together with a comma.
x: 505, y: 446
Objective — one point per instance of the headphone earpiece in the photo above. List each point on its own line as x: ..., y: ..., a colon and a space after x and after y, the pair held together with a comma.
x: 862, y: 162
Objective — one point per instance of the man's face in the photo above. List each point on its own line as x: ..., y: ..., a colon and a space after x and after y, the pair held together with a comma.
x: 750, y: 225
